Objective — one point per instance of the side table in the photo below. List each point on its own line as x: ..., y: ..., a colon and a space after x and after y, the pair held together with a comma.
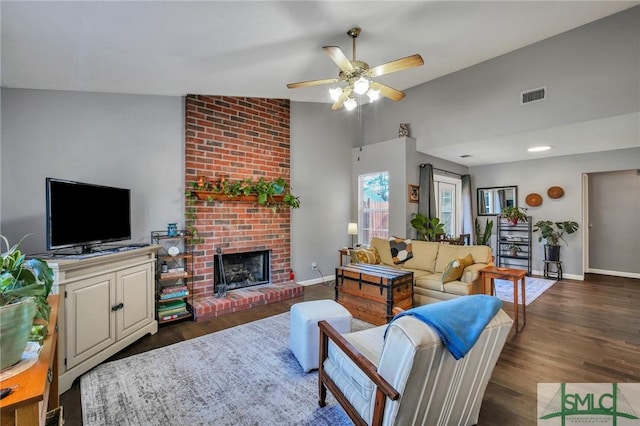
x: 513, y: 275
x: 343, y: 253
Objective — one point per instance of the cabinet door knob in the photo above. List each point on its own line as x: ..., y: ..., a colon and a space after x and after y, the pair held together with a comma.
x: 117, y: 307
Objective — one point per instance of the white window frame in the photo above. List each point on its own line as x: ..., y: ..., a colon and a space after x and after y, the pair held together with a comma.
x: 362, y: 211
x: 457, y: 202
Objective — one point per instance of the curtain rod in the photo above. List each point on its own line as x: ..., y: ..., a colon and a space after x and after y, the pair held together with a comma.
x: 440, y: 170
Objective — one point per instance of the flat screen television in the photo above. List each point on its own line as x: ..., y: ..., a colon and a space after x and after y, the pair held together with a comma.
x: 84, y: 214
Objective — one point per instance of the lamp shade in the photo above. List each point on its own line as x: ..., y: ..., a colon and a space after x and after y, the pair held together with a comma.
x: 352, y: 229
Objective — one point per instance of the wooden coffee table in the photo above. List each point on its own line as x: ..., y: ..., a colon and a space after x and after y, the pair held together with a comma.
x: 509, y: 274
x: 370, y: 292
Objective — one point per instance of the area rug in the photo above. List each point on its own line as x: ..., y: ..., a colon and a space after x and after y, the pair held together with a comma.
x: 534, y: 287
x: 245, y: 375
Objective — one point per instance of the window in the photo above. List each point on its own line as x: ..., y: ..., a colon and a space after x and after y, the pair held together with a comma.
x: 373, y: 206
x: 448, y: 203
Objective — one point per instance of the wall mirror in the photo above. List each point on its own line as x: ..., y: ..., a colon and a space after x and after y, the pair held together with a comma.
x: 491, y: 201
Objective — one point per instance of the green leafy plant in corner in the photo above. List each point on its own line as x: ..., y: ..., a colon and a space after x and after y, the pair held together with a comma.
x: 483, y: 238
x: 552, y: 232
x: 427, y: 228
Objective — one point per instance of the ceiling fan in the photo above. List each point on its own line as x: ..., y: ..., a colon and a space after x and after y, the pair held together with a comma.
x: 359, y: 76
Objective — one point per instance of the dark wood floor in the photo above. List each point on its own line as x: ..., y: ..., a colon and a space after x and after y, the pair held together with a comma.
x: 576, y: 332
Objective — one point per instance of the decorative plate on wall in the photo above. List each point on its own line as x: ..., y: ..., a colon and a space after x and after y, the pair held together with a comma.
x: 533, y: 200
x: 555, y: 192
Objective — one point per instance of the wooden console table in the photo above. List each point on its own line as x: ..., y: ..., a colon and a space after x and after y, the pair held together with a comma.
x: 37, y: 390
x: 370, y: 292
x: 509, y: 274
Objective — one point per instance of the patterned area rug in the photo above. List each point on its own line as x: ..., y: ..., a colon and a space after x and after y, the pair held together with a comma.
x: 534, y: 288
x: 245, y: 375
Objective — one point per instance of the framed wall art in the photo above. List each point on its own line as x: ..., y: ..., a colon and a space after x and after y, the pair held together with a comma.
x: 414, y: 194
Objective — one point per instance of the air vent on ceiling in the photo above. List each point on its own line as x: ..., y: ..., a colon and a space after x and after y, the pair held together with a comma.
x: 533, y: 95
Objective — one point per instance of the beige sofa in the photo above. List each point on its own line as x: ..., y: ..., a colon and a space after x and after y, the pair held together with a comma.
x: 429, y: 262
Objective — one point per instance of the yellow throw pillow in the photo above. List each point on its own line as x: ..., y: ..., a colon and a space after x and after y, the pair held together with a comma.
x: 454, y: 269
x: 363, y: 255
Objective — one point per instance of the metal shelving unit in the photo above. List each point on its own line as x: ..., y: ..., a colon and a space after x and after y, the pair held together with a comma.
x: 518, y: 236
x: 174, y: 292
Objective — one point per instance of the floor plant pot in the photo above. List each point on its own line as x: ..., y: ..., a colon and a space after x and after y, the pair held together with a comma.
x: 551, y: 252
x: 16, y: 320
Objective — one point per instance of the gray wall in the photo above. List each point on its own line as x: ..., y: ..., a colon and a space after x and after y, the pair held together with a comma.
x: 538, y: 175
x: 127, y: 141
x: 320, y: 172
x: 590, y: 72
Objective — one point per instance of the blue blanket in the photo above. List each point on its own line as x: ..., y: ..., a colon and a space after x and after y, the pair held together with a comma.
x: 459, y: 322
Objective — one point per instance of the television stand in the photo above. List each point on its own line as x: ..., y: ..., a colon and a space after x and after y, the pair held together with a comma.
x: 107, y: 302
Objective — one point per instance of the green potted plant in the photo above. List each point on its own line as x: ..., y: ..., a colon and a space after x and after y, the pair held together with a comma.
x: 514, y: 214
x: 427, y: 228
x: 24, y: 288
x: 552, y: 233
x: 483, y: 238
x: 514, y: 249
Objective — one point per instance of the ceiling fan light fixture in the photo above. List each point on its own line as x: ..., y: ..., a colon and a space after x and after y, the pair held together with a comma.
x: 335, y: 93
x: 361, y: 86
x: 373, y: 95
x: 350, y: 104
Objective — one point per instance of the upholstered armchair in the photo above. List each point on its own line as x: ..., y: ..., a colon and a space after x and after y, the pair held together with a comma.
x: 408, y: 377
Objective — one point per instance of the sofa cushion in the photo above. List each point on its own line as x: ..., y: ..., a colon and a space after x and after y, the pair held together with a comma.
x: 446, y: 253
x: 384, y: 250
x: 363, y: 255
x: 424, y: 255
x: 430, y: 281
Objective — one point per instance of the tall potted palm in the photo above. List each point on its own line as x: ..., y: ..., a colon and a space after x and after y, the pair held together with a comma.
x: 24, y: 287
x: 552, y: 233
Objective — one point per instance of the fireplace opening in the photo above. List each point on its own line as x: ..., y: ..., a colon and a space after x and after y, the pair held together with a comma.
x: 243, y: 269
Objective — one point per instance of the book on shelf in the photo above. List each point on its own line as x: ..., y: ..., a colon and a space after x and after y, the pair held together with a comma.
x: 183, y: 293
x: 173, y: 288
x: 173, y: 316
x: 176, y: 275
x: 172, y: 311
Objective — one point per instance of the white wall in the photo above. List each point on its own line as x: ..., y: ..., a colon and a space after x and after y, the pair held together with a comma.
x: 128, y: 141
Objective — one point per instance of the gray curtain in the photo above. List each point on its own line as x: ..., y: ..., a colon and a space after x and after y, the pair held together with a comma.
x: 427, y: 199
x: 467, y: 211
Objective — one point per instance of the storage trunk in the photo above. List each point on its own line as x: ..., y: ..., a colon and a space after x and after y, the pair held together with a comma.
x: 370, y: 292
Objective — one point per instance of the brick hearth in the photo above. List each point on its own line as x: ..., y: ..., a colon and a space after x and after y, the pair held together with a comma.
x: 208, y: 307
x: 238, y: 138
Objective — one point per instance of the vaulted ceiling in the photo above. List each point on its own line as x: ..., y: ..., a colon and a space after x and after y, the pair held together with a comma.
x: 242, y: 48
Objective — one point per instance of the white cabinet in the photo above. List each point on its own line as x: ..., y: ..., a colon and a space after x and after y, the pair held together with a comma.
x: 107, y: 303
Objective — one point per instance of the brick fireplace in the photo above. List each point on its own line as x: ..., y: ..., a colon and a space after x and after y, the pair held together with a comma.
x: 239, y: 138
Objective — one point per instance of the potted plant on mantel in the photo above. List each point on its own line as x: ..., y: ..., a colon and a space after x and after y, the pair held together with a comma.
x: 24, y: 288
x: 513, y: 214
x: 552, y: 232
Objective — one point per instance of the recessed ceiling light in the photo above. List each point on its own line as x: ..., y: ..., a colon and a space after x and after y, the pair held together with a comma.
x: 539, y: 148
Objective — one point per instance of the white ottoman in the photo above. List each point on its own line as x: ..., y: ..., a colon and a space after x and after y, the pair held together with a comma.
x: 304, y: 334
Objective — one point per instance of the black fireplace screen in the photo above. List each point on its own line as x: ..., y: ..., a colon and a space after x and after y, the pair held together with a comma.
x: 243, y: 269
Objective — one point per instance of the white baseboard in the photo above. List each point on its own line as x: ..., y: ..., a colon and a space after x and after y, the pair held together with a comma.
x: 614, y: 273
x: 316, y: 280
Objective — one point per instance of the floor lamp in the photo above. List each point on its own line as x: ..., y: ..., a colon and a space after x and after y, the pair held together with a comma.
x: 352, y: 230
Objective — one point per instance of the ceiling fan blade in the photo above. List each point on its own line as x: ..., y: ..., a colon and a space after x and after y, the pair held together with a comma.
x: 312, y: 83
x: 337, y: 55
x: 388, y: 92
x: 397, y: 65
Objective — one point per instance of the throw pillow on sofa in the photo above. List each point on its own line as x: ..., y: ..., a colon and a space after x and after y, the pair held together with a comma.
x: 400, y: 250
x: 363, y: 255
x: 454, y: 269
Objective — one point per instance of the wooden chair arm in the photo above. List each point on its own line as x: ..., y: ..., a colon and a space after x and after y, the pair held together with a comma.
x: 358, y: 358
